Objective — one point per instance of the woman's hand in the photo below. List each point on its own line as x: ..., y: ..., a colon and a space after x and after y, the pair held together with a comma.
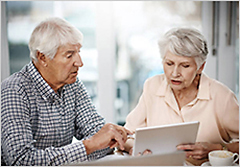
x: 198, y: 150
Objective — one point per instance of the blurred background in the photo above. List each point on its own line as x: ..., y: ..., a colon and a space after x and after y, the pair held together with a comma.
x: 120, y: 49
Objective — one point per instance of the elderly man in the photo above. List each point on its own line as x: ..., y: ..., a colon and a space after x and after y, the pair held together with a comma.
x: 44, y: 105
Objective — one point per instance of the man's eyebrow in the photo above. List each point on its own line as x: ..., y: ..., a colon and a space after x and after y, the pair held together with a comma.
x: 69, y: 51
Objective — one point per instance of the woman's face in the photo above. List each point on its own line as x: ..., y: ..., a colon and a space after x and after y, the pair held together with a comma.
x: 180, y: 71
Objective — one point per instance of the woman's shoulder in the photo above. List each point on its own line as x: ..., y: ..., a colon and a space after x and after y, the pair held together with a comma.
x: 156, y: 78
x: 218, y: 88
x: 154, y: 82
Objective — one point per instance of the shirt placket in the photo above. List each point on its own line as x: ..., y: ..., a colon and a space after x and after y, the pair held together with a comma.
x: 57, y: 109
x: 172, y: 103
x: 185, y: 109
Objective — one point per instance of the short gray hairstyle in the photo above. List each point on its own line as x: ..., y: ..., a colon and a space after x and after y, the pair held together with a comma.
x: 185, y: 42
x: 50, y: 34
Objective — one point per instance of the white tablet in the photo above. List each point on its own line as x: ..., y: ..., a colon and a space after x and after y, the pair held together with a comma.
x: 164, y: 139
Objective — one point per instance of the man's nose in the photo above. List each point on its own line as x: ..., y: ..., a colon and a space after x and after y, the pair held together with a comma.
x: 78, y: 62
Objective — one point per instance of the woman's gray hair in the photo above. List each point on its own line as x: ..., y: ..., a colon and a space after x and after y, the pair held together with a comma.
x: 185, y: 42
x: 50, y: 34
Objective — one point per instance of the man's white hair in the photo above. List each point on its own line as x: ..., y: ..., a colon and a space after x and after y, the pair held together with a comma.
x: 50, y: 34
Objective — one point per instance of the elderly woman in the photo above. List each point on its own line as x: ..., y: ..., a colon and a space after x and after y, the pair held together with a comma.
x: 184, y: 94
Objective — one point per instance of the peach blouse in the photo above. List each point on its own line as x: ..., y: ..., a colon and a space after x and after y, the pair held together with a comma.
x: 215, y: 107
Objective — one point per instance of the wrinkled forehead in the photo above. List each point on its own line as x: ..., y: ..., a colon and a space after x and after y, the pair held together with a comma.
x: 178, y: 58
x: 70, y: 46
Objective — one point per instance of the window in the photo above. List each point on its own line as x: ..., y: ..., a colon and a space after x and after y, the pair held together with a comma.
x: 23, y: 16
x: 138, y: 28
x: 122, y: 34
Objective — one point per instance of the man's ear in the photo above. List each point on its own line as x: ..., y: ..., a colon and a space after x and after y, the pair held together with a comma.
x: 201, y: 68
x: 41, y: 58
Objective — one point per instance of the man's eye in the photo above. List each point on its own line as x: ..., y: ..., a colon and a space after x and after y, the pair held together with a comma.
x: 69, y: 56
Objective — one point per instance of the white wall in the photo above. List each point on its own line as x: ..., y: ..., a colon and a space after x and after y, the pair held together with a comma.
x: 220, y: 66
x: 226, y: 61
x: 5, y: 69
x: 106, y: 60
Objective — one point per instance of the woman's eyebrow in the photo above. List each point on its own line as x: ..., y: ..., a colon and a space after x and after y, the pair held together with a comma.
x: 183, y: 62
x: 167, y: 59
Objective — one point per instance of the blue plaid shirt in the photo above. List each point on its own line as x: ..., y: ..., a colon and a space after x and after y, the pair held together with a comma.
x: 38, y: 124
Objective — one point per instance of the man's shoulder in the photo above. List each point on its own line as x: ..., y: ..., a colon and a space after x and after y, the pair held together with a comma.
x: 16, y: 81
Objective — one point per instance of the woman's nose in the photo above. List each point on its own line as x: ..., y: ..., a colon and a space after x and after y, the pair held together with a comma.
x: 175, y: 72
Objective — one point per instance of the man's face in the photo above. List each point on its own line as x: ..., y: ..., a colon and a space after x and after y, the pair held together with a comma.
x: 63, y: 68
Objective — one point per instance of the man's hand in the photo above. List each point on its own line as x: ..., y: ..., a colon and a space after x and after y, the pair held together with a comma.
x: 145, y: 152
x: 110, y: 135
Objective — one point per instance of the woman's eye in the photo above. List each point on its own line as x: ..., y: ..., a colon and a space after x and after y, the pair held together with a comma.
x: 169, y: 63
x: 186, y: 66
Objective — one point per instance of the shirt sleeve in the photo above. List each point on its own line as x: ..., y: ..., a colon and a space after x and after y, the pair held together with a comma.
x: 17, y: 138
x: 18, y: 144
x: 88, y: 121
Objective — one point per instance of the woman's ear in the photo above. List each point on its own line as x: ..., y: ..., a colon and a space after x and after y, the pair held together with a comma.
x: 42, y: 58
x: 201, y: 68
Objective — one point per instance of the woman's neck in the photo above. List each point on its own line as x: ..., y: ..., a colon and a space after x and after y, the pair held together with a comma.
x: 185, y: 96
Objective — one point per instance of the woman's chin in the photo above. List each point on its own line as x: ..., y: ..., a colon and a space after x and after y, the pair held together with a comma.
x: 176, y: 87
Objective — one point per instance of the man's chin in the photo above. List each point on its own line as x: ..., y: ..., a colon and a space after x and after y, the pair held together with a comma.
x: 72, y: 80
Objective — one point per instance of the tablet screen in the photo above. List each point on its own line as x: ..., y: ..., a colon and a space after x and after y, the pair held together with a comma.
x: 165, y: 138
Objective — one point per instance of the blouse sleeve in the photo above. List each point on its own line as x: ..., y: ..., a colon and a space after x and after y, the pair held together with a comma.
x: 230, y: 118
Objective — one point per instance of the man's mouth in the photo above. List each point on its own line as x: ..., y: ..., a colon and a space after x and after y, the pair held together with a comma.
x: 74, y: 73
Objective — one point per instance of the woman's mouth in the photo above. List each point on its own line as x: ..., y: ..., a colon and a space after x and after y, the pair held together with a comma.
x: 174, y: 82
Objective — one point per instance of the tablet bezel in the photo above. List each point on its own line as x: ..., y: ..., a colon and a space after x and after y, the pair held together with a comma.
x: 164, y: 139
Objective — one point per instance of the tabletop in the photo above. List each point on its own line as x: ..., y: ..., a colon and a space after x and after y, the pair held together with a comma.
x: 188, y: 161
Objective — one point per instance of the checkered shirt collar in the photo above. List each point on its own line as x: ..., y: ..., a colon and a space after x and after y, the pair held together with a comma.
x: 41, y: 85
